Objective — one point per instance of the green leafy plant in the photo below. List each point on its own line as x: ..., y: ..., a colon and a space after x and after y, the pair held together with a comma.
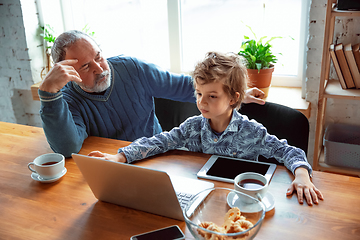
x: 86, y: 29
x: 48, y: 34
x: 258, y: 55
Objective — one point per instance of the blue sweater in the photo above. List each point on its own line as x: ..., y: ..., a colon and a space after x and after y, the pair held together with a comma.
x: 126, y: 110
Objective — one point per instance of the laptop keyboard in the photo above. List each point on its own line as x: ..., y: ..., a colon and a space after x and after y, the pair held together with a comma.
x: 184, y: 198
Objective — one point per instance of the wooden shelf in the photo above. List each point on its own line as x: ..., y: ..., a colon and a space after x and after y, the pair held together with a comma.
x: 333, y: 90
x: 338, y: 13
x: 330, y: 89
x: 342, y: 13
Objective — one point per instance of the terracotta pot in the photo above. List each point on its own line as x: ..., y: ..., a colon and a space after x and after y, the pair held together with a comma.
x: 261, y: 80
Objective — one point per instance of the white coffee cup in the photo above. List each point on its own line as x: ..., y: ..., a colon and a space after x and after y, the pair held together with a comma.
x: 252, y: 184
x: 48, y: 166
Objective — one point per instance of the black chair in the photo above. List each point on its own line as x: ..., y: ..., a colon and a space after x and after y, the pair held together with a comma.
x: 281, y: 121
x: 172, y: 113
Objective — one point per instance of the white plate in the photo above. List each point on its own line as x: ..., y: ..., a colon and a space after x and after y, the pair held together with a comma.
x: 234, y: 201
x: 38, y: 178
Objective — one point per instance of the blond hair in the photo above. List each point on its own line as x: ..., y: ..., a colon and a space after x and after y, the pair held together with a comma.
x: 228, y: 69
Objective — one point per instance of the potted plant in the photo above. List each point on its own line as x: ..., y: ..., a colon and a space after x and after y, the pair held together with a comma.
x: 49, y: 38
x: 259, y: 61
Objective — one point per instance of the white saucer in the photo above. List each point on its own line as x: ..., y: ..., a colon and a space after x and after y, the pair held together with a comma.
x: 234, y: 201
x: 37, y: 177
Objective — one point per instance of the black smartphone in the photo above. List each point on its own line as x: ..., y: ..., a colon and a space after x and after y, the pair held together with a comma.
x: 168, y: 233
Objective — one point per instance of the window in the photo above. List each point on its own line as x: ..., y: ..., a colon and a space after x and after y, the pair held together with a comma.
x: 136, y: 28
x: 177, y: 40
x: 221, y: 25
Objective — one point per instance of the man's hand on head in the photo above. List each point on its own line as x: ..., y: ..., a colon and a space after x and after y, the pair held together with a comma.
x: 59, y: 75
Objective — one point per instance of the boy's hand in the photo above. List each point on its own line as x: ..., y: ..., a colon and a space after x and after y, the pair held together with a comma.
x: 304, y: 187
x: 119, y: 157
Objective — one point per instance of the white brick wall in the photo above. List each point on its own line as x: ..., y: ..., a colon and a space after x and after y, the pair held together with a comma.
x: 16, y: 76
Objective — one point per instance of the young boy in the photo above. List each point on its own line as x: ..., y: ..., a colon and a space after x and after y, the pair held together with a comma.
x: 220, y: 84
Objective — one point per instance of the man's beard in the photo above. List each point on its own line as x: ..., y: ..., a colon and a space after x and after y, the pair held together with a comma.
x: 99, y: 86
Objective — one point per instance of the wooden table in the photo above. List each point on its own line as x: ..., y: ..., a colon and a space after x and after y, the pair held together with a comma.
x: 67, y: 209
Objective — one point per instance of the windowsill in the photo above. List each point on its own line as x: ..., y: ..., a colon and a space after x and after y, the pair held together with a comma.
x: 290, y: 97
x: 287, y: 96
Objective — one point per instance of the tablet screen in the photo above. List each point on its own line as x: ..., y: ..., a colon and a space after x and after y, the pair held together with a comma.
x: 226, y: 169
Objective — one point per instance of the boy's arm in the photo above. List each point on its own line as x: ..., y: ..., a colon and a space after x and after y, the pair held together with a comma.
x: 160, y: 143
x: 295, y: 160
x: 270, y: 146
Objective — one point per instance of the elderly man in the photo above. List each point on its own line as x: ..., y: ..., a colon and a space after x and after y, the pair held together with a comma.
x: 85, y: 94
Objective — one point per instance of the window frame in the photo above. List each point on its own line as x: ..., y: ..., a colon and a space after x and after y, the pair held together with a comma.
x: 175, y: 40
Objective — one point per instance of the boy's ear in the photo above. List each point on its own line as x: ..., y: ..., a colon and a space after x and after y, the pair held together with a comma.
x: 235, y: 98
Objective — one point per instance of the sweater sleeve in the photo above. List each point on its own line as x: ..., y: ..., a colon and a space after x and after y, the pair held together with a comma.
x: 164, y: 84
x: 62, y: 133
x: 270, y: 146
x: 159, y: 143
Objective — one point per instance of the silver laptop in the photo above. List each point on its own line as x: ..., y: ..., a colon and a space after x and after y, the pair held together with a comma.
x: 137, y: 187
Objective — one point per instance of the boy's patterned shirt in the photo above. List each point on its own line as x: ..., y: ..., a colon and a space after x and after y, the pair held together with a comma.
x: 243, y: 138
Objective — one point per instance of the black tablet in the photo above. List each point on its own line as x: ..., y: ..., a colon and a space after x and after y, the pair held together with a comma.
x: 226, y: 169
